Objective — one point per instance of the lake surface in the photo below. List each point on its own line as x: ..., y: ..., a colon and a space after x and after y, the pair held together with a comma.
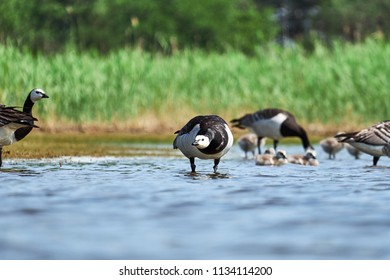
x: 148, y: 206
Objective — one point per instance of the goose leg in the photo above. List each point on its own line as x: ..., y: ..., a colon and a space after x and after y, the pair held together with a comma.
x: 216, y: 162
x: 258, y: 144
x: 375, y: 160
x: 193, y: 166
x: 276, y: 142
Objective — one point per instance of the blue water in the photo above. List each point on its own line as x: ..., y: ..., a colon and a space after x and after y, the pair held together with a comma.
x: 148, y: 206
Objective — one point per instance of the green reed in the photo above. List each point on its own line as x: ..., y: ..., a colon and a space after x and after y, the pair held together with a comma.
x: 343, y: 84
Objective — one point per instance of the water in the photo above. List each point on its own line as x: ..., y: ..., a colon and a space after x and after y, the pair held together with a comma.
x: 148, y: 206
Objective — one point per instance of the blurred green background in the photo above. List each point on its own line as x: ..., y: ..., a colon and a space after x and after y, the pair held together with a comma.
x: 149, y: 65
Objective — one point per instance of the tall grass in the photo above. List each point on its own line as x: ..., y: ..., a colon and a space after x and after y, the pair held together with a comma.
x: 347, y: 84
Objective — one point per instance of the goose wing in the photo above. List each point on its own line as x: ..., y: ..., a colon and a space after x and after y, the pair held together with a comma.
x: 11, y: 115
x: 204, y: 122
x: 189, y: 126
x: 268, y: 113
x: 378, y: 134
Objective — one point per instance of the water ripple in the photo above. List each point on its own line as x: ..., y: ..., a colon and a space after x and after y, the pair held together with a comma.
x: 149, y: 206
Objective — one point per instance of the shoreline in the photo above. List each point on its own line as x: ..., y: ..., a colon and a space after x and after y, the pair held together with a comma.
x: 105, y: 141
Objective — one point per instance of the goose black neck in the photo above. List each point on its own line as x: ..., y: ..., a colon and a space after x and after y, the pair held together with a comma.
x: 28, y: 105
x: 293, y: 129
x: 22, y: 132
x: 305, y: 140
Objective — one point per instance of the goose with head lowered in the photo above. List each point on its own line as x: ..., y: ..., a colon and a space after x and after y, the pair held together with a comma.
x: 204, y: 137
x: 372, y: 140
x: 15, y: 124
x: 274, y: 124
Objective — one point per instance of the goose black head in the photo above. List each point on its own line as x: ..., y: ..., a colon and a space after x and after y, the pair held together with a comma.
x: 37, y: 94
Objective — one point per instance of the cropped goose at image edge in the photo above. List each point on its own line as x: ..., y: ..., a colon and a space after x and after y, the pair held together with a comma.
x: 15, y: 124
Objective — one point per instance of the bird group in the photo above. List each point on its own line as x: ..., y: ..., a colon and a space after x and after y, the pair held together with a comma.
x: 374, y: 140
x: 333, y: 145
x: 209, y: 136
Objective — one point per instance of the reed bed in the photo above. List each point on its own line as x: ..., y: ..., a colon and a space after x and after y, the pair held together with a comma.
x: 346, y: 86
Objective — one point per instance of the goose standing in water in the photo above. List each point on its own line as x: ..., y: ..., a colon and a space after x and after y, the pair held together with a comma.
x: 274, y: 124
x: 372, y: 140
x: 12, y: 122
x: 204, y: 137
x: 15, y: 124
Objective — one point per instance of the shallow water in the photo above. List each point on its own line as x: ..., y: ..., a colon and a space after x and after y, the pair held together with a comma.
x: 150, y: 207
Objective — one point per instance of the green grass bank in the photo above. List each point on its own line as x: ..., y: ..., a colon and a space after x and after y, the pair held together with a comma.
x: 339, y: 88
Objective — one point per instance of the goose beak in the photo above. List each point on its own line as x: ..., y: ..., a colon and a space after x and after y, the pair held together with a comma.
x: 195, y: 143
x: 44, y: 95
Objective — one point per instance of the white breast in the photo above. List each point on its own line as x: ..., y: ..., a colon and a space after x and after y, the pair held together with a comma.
x: 7, y: 136
x: 184, y: 144
x: 369, y: 149
x: 230, y: 142
x: 269, y: 127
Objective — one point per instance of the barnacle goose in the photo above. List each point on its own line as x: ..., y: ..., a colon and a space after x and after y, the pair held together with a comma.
x: 274, y: 124
x: 15, y: 124
x: 204, y: 137
x: 372, y: 140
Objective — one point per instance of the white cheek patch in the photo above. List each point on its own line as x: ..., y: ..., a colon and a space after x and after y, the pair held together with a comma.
x: 369, y: 149
x: 35, y: 95
x: 203, y: 141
